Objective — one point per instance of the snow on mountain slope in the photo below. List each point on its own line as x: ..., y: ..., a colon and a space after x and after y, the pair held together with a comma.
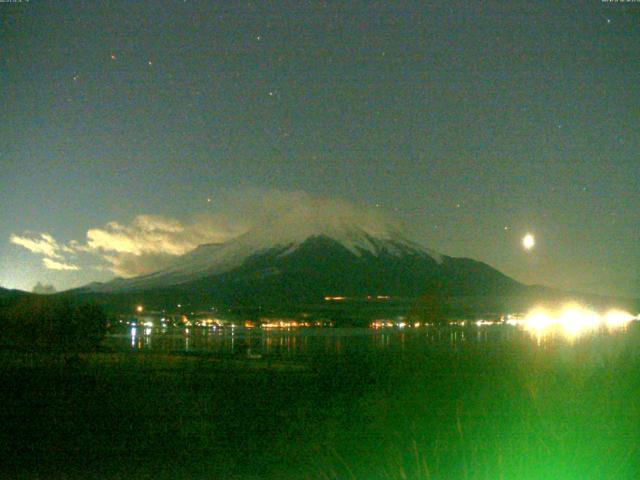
x: 278, y: 235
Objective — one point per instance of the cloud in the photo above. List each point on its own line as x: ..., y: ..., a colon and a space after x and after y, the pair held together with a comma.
x: 152, y: 242
x: 154, y: 234
x: 295, y: 212
x: 129, y: 265
x: 146, y: 244
x: 54, y: 265
x: 43, y: 244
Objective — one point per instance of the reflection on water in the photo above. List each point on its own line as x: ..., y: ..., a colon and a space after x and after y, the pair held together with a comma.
x: 334, y: 341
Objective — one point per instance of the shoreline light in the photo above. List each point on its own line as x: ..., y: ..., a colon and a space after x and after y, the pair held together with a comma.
x: 571, y: 321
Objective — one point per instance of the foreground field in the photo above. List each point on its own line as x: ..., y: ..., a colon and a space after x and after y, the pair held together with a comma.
x: 514, y: 410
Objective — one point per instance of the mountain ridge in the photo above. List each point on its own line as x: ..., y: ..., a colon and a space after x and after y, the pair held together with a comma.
x: 288, y: 274
x: 219, y: 258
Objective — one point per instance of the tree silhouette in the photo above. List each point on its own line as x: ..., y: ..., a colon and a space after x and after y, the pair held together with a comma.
x: 53, y: 324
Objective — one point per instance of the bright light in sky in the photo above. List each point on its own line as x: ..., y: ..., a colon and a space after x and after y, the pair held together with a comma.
x: 528, y: 242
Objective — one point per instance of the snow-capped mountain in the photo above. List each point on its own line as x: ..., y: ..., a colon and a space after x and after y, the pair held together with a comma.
x: 279, y: 267
x: 298, y: 263
x: 272, y: 240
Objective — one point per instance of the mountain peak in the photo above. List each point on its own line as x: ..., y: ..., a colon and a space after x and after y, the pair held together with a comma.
x: 277, y: 237
x: 355, y: 237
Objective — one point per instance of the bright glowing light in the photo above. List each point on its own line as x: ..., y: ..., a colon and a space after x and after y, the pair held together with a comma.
x: 571, y: 321
x: 528, y: 242
x: 482, y: 323
x: 617, y: 318
x: 139, y: 308
x: 576, y: 320
x: 134, y: 332
x: 538, y: 321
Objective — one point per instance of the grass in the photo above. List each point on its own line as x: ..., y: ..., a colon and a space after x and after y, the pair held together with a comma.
x: 510, y: 410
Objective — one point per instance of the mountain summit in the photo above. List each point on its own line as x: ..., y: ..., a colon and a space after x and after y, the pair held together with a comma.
x: 275, y: 264
x: 278, y: 240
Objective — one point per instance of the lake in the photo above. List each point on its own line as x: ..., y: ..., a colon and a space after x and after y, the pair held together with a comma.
x: 309, y: 342
x: 459, y: 402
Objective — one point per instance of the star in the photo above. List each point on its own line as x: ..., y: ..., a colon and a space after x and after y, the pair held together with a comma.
x: 150, y: 63
x: 113, y: 56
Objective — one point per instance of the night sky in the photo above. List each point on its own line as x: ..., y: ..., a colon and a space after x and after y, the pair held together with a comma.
x: 473, y: 122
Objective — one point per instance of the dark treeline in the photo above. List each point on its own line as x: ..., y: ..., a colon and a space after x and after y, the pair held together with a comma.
x: 51, y: 323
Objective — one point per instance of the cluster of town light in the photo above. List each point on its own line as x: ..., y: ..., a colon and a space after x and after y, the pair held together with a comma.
x: 571, y: 321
